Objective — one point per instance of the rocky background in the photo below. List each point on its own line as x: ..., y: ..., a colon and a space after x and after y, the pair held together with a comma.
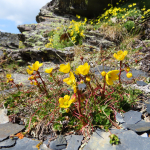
x: 52, y: 15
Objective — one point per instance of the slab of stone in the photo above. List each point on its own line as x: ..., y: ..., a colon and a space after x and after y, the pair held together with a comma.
x: 141, y: 126
x: 73, y: 142
x: 82, y: 86
x: 131, y: 141
x: 132, y: 117
x: 135, y: 74
x: 3, y: 116
x: 24, y: 144
x: 148, y: 108
x: 99, y: 141
x: 8, y: 129
x: 7, y: 143
x: 21, y: 78
x: 119, y: 118
x: 59, y: 143
x: 141, y: 83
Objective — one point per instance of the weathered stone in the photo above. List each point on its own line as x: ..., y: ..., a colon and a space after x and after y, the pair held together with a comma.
x: 119, y: 118
x: 44, y: 54
x: 148, y: 108
x: 8, y: 129
x: 99, y: 141
x: 73, y: 142
x: 3, y: 116
x: 128, y: 140
x: 7, y: 143
x: 59, y: 143
x: 82, y: 86
x: 24, y: 144
x: 132, y: 117
x: 9, y: 40
x: 141, y: 126
x: 141, y: 83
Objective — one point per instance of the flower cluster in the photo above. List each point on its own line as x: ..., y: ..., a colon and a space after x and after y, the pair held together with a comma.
x: 9, y: 79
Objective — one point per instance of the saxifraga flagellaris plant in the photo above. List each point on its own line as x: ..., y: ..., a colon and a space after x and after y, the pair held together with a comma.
x: 80, y: 110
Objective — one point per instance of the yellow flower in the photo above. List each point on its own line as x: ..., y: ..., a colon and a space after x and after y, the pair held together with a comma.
x: 81, y: 81
x: 35, y: 83
x: 111, y: 76
x: 88, y: 79
x: 129, y: 75
x: 48, y: 70
x: 83, y: 69
x: 103, y: 73
x: 127, y: 69
x: 120, y: 55
x: 64, y: 68
x: 67, y: 110
x: 134, y: 4
x: 71, y: 80
x: 31, y: 82
x: 129, y: 6
x: 65, y: 102
x: 74, y: 88
x: 78, y: 16
x: 8, y: 76
x: 36, y: 66
x: 29, y: 71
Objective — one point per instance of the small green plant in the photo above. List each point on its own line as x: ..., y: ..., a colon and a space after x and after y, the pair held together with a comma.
x: 114, y: 139
x: 66, y: 36
x: 21, y: 45
x: 129, y: 25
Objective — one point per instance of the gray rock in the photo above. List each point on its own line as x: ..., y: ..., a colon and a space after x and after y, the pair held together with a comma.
x: 148, y: 108
x: 24, y: 144
x: 3, y: 116
x: 7, y: 143
x: 59, y: 143
x: 141, y: 83
x: 131, y: 141
x: 9, y: 40
x: 8, y: 129
x: 99, y: 141
x: 132, y: 117
x: 141, y: 126
x: 73, y: 142
x: 82, y: 86
x: 119, y: 118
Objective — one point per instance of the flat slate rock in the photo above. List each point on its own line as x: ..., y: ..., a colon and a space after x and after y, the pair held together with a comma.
x: 59, y: 143
x: 99, y: 141
x: 148, y: 108
x: 24, y: 144
x: 3, y: 116
x: 82, y: 86
x: 73, y: 142
x: 141, y: 83
x: 129, y: 140
x: 7, y: 143
x: 141, y: 126
x: 8, y: 129
x: 135, y: 73
x: 119, y: 118
x: 132, y: 117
